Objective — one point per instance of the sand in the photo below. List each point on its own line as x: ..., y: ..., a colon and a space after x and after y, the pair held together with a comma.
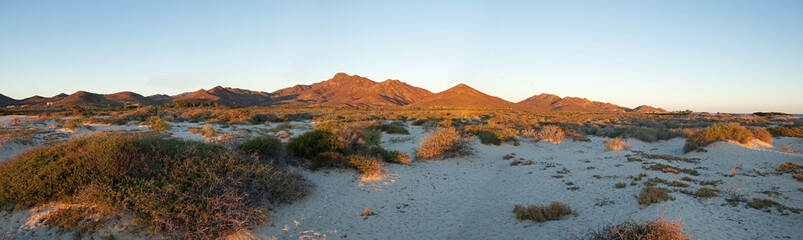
x: 472, y: 197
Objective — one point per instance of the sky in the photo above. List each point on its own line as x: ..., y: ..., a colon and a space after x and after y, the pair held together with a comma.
x: 714, y: 56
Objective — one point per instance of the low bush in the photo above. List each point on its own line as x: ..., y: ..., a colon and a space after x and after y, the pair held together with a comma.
x: 657, y: 228
x: 312, y: 143
x: 614, y: 144
x: 157, y: 124
x: 620, y: 185
x: 725, y: 132
x: 266, y: 146
x: 487, y: 138
x: 181, y: 189
x: 442, y: 143
x: 391, y: 128
x: 366, y: 166
x: 650, y: 195
x: 540, y: 213
x: 786, y: 132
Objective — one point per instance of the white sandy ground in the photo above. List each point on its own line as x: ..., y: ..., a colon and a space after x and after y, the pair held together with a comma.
x: 472, y: 197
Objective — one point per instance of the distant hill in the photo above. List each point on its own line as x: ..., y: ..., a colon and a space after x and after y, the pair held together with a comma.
x: 463, y: 96
x: 226, y: 96
x: 552, y: 103
x: 342, y: 90
x: 5, y: 101
x: 648, y: 109
x: 351, y: 90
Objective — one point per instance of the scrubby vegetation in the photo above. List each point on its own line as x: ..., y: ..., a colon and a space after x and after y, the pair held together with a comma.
x: 615, y: 144
x: 657, y: 228
x: 650, y: 195
x: 725, y: 132
x: 312, y: 143
x: 442, y: 143
x: 551, y: 133
x: 177, y: 188
x: 540, y: 213
x: 266, y: 146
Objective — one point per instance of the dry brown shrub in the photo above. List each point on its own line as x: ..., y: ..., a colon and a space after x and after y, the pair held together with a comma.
x: 615, y: 144
x: 657, y: 228
x: 442, y: 143
x: 551, y: 133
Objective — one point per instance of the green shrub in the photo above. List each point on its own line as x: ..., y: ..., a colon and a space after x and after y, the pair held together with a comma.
x: 650, y: 195
x: 724, y: 132
x: 419, y: 122
x: 179, y: 188
x: 488, y: 137
x: 312, y: 143
x: 267, y: 146
x: 539, y: 213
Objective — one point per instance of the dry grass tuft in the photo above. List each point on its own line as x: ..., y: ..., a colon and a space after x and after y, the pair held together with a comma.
x: 539, y: 213
x: 650, y: 195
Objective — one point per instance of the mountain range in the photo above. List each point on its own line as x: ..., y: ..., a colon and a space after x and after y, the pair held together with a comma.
x: 342, y: 90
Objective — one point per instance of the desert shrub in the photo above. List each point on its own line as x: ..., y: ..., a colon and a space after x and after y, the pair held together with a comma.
x: 181, y: 189
x: 620, y: 185
x: 329, y: 159
x: 442, y: 143
x: 267, y: 146
x: 157, y: 124
x: 761, y: 134
x: 615, y: 144
x: 657, y: 228
x: 650, y: 195
x: 786, y: 132
x: 487, y: 137
x: 366, y: 166
x: 788, y: 167
x: 551, y: 133
x: 312, y: 143
x: 540, y: 213
x: 74, y: 124
x: 205, y: 131
x: 391, y: 156
x: 724, y: 132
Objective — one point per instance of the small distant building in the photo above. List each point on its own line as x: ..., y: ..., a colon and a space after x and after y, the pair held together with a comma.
x: 50, y: 103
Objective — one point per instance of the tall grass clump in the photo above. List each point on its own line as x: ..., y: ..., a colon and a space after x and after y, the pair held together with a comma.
x: 650, y: 195
x: 442, y: 143
x: 538, y: 213
x: 658, y: 228
x: 312, y: 143
x: 725, y: 132
x: 181, y: 189
x: 614, y: 144
x: 551, y: 133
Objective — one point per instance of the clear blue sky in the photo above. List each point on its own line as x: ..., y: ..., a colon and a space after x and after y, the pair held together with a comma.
x: 716, y: 56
